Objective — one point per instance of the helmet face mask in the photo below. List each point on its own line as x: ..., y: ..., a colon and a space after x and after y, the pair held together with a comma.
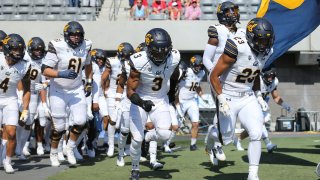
x: 228, y: 13
x: 269, y: 76
x: 99, y: 56
x: 158, y: 45
x: 196, y: 63
x: 260, y: 35
x: 36, y: 48
x: 73, y: 34
x: 14, y: 47
x: 125, y: 50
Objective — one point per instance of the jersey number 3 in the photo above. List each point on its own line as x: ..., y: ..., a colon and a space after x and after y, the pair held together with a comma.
x: 157, y: 82
x: 75, y: 64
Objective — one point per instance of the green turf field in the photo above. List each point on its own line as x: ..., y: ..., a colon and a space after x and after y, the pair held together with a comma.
x: 295, y: 159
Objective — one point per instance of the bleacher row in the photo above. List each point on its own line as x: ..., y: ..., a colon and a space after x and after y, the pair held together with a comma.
x: 46, y: 10
x: 248, y: 9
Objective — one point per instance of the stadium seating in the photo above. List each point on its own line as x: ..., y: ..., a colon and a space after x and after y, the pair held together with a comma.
x: 47, y: 10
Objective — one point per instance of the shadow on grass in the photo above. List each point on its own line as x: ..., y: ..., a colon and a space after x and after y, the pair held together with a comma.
x: 231, y: 176
x: 299, y: 150
x: 161, y: 174
x: 216, y: 169
x: 22, y: 167
x: 279, y: 158
x: 91, y: 161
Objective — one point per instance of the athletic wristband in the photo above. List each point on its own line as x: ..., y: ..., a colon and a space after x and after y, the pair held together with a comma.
x: 89, y: 81
x: 135, y: 99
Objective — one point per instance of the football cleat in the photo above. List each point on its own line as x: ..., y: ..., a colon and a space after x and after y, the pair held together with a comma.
x: 7, y: 167
x: 318, y: 170
x: 61, y: 156
x: 143, y: 159
x: 238, y: 145
x: 156, y: 165
x: 193, y: 147
x: 110, y: 151
x: 218, y: 152
x: 167, y: 149
x: 40, y: 150
x: 213, y: 159
x: 22, y: 157
x: 135, y: 175
x: 91, y: 153
x: 271, y: 147
x: 26, y: 151
x: 120, y: 161
x: 70, y: 156
x: 54, y: 160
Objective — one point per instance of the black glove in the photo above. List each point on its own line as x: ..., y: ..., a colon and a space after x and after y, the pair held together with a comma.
x: 147, y: 105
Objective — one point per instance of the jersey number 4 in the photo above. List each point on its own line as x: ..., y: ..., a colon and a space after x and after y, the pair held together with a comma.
x: 4, y: 84
x: 247, y: 75
x: 75, y: 64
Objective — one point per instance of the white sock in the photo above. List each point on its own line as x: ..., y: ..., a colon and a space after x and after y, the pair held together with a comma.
x: 54, y: 150
x: 135, y: 153
x: 266, y: 141
x: 253, y: 169
x: 153, y: 151
x: 71, y: 143
x: 193, y: 141
x: 254, y: 153
x: 111, y: 131
x: 4, y: 148
x: 151, y: 135
x: 207, y: 135
x: 60, y: 145
x: 122, y: 144
x: 39, y: 144
x: 8, y: 159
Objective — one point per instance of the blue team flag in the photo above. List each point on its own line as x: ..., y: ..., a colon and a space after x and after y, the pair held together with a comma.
x: 292, y: 20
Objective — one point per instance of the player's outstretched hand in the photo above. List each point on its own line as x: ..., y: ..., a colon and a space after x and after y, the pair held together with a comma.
x: 223, y: 105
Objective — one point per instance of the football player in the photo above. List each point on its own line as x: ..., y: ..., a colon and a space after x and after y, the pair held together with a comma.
x: 37, y: 107
x: 13, y: 68
x: 148, y: 85
x: 235, y: 79
x: 63, y: 64
x: 113, y: 69
x: 189, y: 86
x: 99, y: 103
x: 228, y: 16
x: 269, y: 83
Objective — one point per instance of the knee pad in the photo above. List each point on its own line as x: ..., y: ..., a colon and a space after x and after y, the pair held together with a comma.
x: 77, y: 129
x: 255, y: 135
x: 56, y: 136
x: 124, y: 130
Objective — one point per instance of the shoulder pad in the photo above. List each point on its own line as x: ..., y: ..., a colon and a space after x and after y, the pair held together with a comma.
x: 231, y: 49
x: 108, y: 64
x: 88, y: 44
x: 51, y: 48
x: 212, y: 32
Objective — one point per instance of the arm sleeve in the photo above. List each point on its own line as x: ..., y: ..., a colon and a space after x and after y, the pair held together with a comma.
x: 208, y: 54
x: 88, y: 58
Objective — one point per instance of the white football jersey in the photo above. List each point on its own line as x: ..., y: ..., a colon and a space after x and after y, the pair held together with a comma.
x: 61, y: 57
x: 240, y: 76
x: 189, y: 84
x: 223, y: 34
x: 116, y: 69
x: 154, y: 80
x: 35, y: 72
x: 126, y: 70
x: 10, y: 76
x: 267, y: 89
x: 97, y: 72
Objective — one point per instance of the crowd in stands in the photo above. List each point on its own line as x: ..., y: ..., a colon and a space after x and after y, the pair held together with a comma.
x: 172, y: 9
